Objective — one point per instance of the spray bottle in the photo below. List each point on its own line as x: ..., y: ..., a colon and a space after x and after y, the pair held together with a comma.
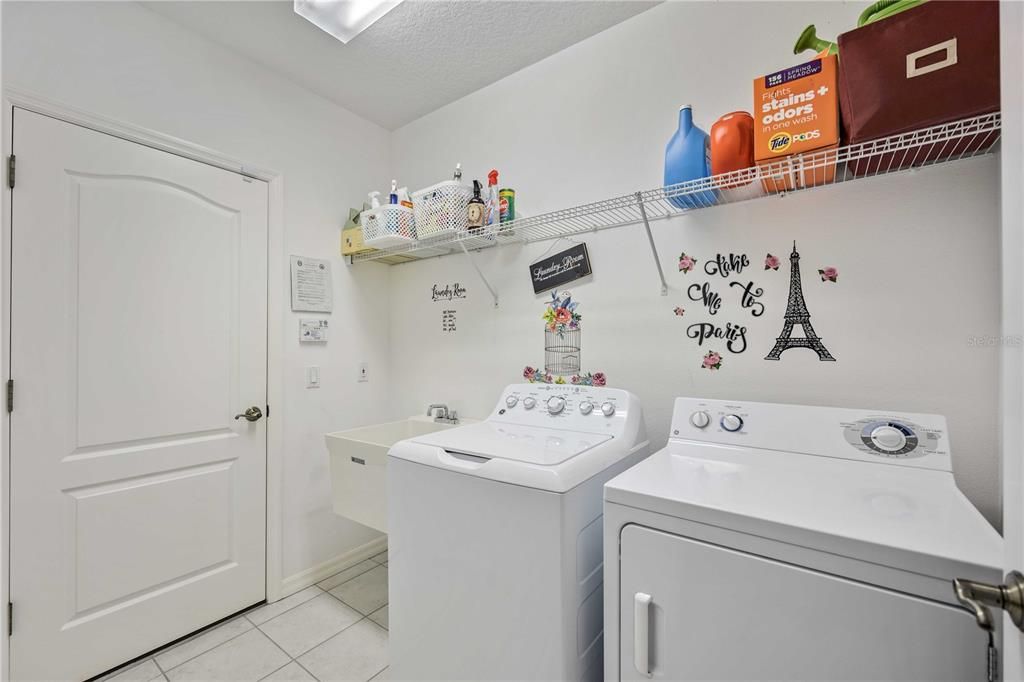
x: 374, y: 200
x: 493, y: 207
x: 393, y: 196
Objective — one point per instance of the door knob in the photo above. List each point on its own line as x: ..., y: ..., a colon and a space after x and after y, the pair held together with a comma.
x: 252, y: 414
x: 978, y: 597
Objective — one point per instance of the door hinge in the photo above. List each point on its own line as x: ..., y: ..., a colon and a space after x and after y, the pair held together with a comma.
x: 267, y: 415
x: 10, y: 619
x: 10, y: 171
x: 10, y: 395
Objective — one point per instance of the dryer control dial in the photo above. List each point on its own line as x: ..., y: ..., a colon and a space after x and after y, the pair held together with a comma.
x: 529, y: 402
x: 556, y: 404
x: 889, y: 438
x: 511, y: 401
x: 608, y: 408
x: 700, y: 419
x: 586, y: 407
x: 732, y: 422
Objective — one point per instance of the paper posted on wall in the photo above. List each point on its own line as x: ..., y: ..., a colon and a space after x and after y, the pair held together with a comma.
x: 311, y: 285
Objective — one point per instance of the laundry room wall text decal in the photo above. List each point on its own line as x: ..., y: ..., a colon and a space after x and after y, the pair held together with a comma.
x: 447, y: 292
x: 723, y: 287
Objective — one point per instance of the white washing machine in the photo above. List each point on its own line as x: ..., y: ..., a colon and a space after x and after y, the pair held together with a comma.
x: 789, y: 542
x: 495, y: 535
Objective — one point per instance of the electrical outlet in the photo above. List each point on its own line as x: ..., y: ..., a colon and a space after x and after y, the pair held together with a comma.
x: 313, y: 377
x: 364, y: 372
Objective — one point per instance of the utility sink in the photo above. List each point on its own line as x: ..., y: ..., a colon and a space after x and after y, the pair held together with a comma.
x: 359, y: 459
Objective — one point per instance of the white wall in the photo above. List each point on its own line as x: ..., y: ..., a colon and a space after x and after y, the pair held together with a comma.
x: 126, y: 62
x: 917, y: 253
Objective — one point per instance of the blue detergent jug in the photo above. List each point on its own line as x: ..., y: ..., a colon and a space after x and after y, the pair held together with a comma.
x: 687, y: 157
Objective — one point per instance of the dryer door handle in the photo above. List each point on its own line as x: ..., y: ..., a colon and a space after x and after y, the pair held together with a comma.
x: 641, y: 633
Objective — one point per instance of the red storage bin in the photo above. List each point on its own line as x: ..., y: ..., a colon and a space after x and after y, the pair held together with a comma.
x: 931, y: 64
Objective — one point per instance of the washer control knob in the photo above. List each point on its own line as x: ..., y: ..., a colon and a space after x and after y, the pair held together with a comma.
x: 608, y: 408
x: 888, y: 438
x: 732, y: 422
x: 586, y: 407
x: 700, y: 419
x: 511, y: 401
x: 529, y: 402
x: 556, y: 404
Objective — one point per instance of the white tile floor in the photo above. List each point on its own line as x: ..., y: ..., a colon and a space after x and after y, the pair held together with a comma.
x: 335, y: 630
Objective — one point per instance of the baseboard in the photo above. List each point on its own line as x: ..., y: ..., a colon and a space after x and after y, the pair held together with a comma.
x: 315, y: 574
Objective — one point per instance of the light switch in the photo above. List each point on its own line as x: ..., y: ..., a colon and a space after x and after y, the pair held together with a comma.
x: 313, y: 377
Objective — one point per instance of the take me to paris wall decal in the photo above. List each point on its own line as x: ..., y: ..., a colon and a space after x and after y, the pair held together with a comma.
x: 728, y: 286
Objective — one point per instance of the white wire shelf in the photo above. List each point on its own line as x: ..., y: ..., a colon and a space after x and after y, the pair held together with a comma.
x: 908, y: 151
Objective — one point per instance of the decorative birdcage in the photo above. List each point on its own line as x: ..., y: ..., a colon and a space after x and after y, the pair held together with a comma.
x: 562, y: 351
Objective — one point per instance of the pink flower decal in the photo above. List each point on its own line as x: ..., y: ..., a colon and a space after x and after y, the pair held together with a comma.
x: 679, y: 311
x: 686, y: 263
x: 829, y: 274
x: 529, y: 373
x: 598, y: 379
x: 712, y: 360
x: 562, y: 316
x: 771, y: 262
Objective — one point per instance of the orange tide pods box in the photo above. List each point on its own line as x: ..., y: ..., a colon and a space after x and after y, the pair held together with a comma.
x: 796, y: 125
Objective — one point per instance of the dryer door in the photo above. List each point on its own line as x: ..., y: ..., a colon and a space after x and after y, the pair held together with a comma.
x: 695, y: 611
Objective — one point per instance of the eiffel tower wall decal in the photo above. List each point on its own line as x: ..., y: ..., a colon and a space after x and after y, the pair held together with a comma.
x: 797, y: 314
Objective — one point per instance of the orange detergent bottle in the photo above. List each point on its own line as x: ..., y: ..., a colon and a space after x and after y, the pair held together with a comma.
x: 732, y: 145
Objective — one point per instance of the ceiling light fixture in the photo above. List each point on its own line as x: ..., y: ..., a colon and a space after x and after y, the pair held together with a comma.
x: 343, y: 19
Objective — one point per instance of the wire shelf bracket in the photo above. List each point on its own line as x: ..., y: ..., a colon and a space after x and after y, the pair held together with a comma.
x: 483, y: 278
x: 650, y: 240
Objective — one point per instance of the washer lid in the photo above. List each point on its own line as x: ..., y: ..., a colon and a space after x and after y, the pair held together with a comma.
x: 901, y: 517
x: 516, y: 443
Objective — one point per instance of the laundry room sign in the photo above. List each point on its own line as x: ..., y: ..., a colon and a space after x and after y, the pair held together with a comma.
x: 447, y: 292
x: 555, y: 270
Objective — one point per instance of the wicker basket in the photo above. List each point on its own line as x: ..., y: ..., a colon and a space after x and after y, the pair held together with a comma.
x: 562, y: 352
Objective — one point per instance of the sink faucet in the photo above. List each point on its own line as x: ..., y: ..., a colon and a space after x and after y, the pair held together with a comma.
x: 443, y: 415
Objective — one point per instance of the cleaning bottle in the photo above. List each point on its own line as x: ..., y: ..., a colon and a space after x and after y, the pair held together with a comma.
x: 493, y: 207
x: 393, y: 196
x: 374, y: 199
x: 475, y: 209
x: 403, y: 197
x: 687, y: 157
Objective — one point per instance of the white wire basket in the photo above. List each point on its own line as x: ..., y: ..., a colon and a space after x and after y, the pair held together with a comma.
x: 441, y: 210
x: 388, y: 226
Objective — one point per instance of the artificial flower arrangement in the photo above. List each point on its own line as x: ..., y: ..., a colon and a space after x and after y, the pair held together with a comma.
x: 560, y: 315
x: 537, y: 376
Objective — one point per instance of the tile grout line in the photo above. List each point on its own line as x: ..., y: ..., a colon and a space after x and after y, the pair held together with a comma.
x: 217, y: 646
x: 299, y: 663
x: 256, y: 625
x: 352, y: 578
x: 296, y: 658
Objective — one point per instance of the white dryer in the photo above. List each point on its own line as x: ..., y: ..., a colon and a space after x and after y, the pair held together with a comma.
x: 789, y: 542
x: 495, y: 535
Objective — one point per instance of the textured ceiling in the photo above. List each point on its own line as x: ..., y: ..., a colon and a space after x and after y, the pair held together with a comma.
x: 420, y: 56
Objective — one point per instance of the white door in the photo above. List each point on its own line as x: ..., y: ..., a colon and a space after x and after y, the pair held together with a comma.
x: 138, y: 331
x: 1012, y: 161
x: 695, y: 611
